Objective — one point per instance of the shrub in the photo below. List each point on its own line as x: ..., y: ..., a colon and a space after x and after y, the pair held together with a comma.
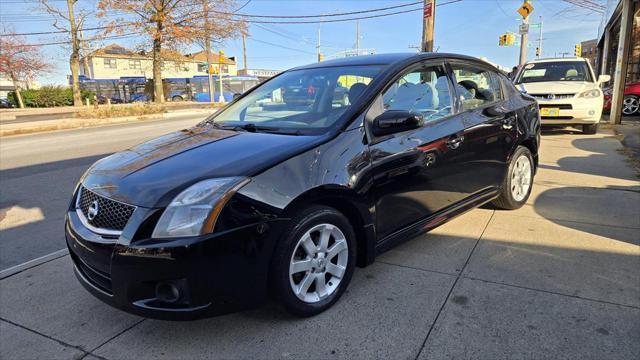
x: 106, y: 111
x: 48, y: 96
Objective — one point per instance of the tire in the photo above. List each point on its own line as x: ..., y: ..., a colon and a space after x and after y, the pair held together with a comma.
x: 289, y: 282
x: 590, y: 129
x: 513, y: 195
x: 177, y: 98
x: 630, y: 105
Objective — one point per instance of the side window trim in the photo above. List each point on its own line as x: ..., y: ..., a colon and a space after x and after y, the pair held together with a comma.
x: 455, y: 81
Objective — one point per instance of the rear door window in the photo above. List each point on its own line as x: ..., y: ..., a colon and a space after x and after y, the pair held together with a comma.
x: 476, y: 86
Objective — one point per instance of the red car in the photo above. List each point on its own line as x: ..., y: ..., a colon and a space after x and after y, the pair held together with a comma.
x: 631, y: 102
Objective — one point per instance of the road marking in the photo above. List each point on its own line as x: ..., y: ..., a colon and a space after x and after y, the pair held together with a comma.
x: 33, y: 263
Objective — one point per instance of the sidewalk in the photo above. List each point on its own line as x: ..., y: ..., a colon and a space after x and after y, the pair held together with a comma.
x: 559, y: 278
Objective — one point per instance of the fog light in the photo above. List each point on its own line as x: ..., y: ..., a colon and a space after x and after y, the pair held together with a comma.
x: 168, y: 293
x: 592, y: 112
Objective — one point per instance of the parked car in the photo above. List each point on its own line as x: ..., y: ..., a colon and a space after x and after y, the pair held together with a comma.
x: 5, y: 103
x: 630, y: 102
x: 259, y: 200
x: 297, y: 94
x: 566, y: 89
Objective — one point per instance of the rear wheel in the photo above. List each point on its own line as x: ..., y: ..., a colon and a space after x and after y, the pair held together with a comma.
x: 313, y: 264
x: 590, y: 129
x: 630, y: 105
x: 177, y: 98
x: 517, y: 185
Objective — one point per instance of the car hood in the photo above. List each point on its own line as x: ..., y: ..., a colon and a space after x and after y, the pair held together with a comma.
x: 153, y: 173
x: 556, y: 87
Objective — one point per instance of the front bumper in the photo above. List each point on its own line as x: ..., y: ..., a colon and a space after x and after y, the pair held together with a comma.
x: 573, y: 111
x: 215, y: 274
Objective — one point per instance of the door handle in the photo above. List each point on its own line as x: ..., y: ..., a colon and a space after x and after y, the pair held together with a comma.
x: 455, y: 142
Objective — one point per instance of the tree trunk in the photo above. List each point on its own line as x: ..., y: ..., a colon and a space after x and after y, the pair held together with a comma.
x: 74, y: 59
x: 17, y: 91
x: 158, y: 91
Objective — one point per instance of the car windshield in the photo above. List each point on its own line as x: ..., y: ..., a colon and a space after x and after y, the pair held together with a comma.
x: 299, y: 100
x: 555, y: 71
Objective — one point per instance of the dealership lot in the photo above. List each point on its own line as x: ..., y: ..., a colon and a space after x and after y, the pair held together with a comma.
x: 558, y: 278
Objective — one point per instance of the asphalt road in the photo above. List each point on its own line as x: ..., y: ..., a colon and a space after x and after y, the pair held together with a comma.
x: 38, y: 173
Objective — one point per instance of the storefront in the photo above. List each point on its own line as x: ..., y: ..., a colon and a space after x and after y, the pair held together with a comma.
x: 619, y: 47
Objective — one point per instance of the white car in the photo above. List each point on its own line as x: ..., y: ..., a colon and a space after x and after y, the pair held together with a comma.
x: 567, y: 91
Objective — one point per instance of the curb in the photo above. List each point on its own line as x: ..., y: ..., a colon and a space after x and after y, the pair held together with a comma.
x: 33, y: 263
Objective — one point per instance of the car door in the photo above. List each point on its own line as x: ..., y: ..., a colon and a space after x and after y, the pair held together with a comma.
x: 416, y: 173
x: 489, y: 126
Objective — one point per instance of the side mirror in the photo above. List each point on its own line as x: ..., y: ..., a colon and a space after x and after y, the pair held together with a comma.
x: 603, y: 78
x: 393, y: 121
x: 236, y: 95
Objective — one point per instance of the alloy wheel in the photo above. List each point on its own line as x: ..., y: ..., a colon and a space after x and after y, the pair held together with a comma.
x: 630, y: 105
x: 318, y: 263
x: 521, y: 178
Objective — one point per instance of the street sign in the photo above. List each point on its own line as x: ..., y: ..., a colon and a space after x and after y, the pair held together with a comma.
x: 525, y: 10
x: 535, y: 26
x: 428, y: 10
x: 524, y: 29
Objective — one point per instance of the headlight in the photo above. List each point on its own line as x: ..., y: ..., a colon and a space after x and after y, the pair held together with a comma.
x: 590, y: 94
x: 195, y: 210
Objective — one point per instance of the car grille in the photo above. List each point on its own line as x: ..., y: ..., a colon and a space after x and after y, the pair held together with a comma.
x: 557, y: 106
x: 555, y: 96
x: 112, y: 215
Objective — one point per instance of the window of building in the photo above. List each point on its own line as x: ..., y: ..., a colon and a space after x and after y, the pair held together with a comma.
x: 476, y: 86
x: 110, y: 64
x: 135, y: 64
x: 425, y: 91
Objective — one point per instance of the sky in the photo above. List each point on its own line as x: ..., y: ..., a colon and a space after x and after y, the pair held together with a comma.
x: 470, y: 27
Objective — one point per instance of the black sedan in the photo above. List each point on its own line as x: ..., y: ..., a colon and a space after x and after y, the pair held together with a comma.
x: 261, y: 199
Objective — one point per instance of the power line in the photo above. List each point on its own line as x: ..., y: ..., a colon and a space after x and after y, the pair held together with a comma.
x: 253, y: 21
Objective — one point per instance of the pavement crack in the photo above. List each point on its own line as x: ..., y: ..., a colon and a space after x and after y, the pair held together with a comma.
x: 444, y: 303
x: 551, y: 292
x: 91, y: 352
x: 79, y: 348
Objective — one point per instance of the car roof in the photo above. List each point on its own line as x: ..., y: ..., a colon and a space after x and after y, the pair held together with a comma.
x: 566, y: 59
x: 389, y: 59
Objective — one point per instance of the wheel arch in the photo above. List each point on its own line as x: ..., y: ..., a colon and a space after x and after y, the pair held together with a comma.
x: 352, y: 205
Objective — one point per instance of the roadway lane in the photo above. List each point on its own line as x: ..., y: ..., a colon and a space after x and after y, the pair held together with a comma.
x: 38, y: 173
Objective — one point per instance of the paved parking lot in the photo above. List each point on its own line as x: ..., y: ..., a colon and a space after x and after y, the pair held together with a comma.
x: 559, y: 278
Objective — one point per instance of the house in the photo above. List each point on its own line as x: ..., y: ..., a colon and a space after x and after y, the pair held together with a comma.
x: 590, y: 51
x: 116, y: 62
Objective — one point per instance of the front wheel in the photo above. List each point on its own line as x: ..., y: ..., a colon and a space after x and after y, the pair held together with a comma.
x: 516, y: 186
x: 590, y: 129
x: 314, y: 262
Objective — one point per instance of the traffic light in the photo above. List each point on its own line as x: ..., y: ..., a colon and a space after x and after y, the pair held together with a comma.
x: 537, y: 52
x: 577, y: 51
x: 511, y: 39
x: 503, y: 40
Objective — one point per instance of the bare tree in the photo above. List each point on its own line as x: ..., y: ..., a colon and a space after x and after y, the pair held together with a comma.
x: 20, y: 62
x: 70, y: 21
x: 169, y: 24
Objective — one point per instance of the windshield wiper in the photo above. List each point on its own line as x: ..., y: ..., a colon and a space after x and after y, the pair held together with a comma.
x: 251, y: 127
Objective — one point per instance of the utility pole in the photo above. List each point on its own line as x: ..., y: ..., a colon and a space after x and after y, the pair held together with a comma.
x: 318, y: 46
x: 357, y: 37
x: 220, y: 63
x: 244, y: 50
x: 524, y: 39
x: 540, y: 39
x: 428, y: 22
x: 207, y: 49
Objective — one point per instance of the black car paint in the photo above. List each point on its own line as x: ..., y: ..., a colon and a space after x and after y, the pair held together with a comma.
x: 390, y: 187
